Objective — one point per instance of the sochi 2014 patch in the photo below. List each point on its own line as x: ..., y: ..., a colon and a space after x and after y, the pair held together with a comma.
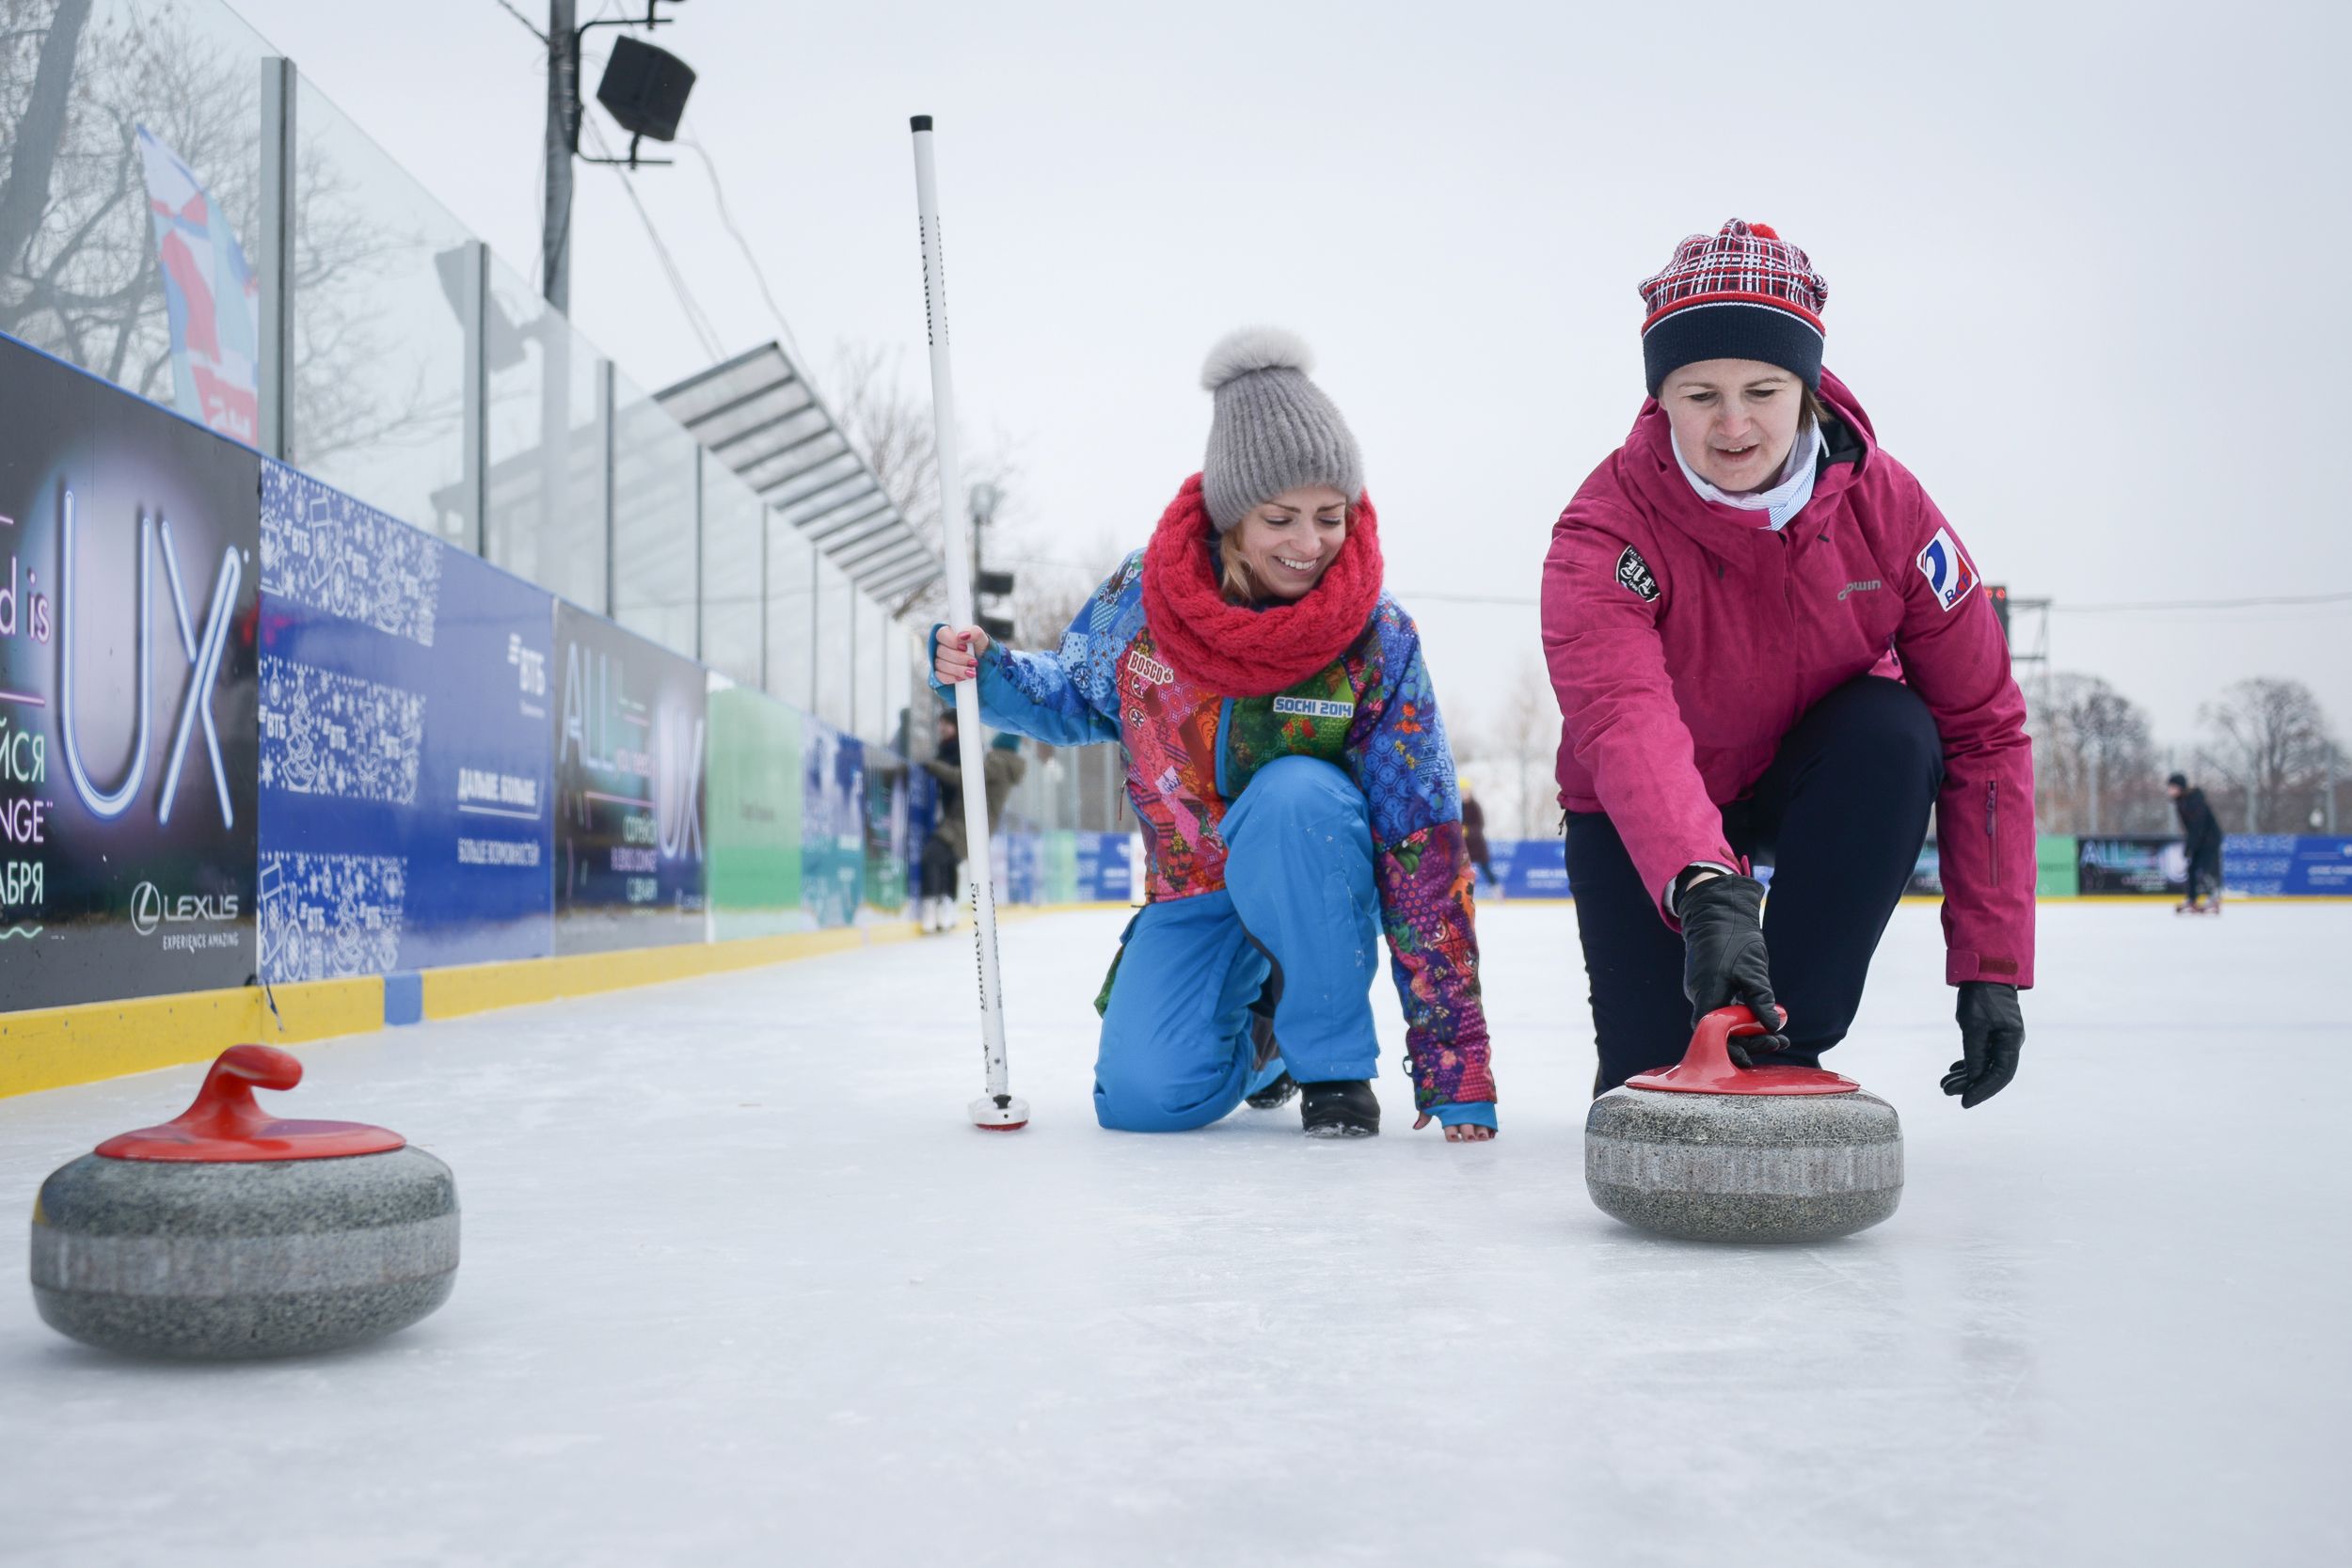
x: 1633, y: 575
x: 1950, y: 578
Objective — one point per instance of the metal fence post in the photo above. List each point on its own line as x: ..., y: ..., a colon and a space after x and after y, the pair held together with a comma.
x: 766, y: 677
x: 607, y: 423
x: 277, y: 262
x: 474, y: 312
x: 702, y: 607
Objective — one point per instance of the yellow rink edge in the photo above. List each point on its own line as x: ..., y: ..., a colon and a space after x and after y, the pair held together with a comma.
x: 54, y: 1048
x: 50, y: 1048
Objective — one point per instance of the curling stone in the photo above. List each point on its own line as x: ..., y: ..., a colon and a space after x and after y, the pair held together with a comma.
x: 1708, y: 1150
x: 225, y: 1234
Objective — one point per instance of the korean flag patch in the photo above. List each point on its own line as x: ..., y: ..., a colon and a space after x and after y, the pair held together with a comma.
x: 1950, y: 578
x: 1633, y: 575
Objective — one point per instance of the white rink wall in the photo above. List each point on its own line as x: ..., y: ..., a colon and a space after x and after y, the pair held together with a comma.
x: 739, y: 1281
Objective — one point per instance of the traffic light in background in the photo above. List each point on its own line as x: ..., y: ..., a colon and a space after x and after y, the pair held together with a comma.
x: 1998, y: 594
x: 997, y: 586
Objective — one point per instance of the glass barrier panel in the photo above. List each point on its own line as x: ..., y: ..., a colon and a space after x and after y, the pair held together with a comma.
x: 545, y: 516
x: 791, y: 615
x: 922, y: 702
x: 732, y: 520
x: 836, y: 646
x: 653, y: 519
x: 899, y: 715
x: 873, y: 640
x: 379, y: 341
x: 81, y: 268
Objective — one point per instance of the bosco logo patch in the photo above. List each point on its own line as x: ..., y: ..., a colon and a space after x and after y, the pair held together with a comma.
x: 1633, y: 574
x: 1950, y: 578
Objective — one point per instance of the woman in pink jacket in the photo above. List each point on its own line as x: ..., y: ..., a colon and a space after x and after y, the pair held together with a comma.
x: 1770, y: 646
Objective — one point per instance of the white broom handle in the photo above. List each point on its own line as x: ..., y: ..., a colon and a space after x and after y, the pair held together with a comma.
x: 982, y: 889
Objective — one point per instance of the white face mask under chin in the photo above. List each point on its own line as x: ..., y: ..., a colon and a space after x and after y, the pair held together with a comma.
x: 1789, y: 493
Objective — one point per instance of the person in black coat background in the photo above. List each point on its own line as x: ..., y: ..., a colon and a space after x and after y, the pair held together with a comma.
x: 2204, y: 845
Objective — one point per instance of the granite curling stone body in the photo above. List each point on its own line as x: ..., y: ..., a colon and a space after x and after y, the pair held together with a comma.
x: 1710, y: 1151
x: 225, y: 1234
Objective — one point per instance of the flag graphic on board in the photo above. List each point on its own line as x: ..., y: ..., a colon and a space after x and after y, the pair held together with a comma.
x: 211, y: 295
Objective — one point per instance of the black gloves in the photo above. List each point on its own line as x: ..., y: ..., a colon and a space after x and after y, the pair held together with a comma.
x: 1991, y: 1031
x: 1723, y: 954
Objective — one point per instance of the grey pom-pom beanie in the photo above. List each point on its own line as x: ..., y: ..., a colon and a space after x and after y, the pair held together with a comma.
x: 1274, y: 429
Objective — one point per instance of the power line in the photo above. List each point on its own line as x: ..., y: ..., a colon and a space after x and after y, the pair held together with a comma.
x: 719, y: 195
x: 509, y: 10
x: 2204, y: 604
x: 694, y: 315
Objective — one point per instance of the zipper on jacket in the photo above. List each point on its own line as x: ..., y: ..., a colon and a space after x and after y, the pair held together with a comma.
x: 1992, y: 829
x: 1224, y: 732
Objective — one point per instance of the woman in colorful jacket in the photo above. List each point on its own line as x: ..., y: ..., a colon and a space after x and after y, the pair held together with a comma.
x: 1286, y: 758
x: 1768, y: 644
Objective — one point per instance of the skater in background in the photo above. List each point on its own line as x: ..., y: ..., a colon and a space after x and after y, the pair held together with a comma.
x: 1769, y: 644
x: 2204, y: 833
x: 1001, y: 769
x: 1474, y: 839
x: 1286, y: 757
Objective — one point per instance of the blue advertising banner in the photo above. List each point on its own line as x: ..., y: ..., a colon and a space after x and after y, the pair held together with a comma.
x: 1106, y: 869
x: 630, y: 718
x: 833, y: 822
x: 2273, y: 866
x: 1017, y: 860
x: 888, y: 850
x: 1527, y: 869
x: 407, y: 740
x: 127, y: 733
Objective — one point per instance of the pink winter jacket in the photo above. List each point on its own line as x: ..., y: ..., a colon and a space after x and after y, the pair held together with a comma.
x: 1685, y: 641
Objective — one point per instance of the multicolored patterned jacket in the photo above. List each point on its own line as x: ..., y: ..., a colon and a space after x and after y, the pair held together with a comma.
x: 1190, y: 752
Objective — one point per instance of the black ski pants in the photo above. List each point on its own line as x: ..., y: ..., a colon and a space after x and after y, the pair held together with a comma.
x: 2204, y: 872
x: 937, y: 867
x: 1840, y: 815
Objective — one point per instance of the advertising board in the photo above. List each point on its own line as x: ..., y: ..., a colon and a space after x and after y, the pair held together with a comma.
x: 757, y: 795
x: 833, y: 822
x: 127, y: 694
x: 407, y: 801
x: 630, y: 718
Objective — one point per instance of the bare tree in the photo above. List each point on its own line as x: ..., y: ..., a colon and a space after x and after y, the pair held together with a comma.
x: 890, y: 423
x: 2095, y: 768
x: 78, y: 272
x: 2266, y: 742
x: 1517, y: 742
x: 1049, y: 592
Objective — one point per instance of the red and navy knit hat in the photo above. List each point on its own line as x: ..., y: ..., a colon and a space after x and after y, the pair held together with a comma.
x: 1742, y: 292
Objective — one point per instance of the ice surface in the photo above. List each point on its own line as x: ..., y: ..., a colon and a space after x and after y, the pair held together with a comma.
x: 741, y: 1284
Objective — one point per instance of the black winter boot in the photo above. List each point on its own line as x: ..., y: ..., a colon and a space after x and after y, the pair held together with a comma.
x: 1263, y: 1048
x: 1343, y: 1108
x: 1275, y: 1095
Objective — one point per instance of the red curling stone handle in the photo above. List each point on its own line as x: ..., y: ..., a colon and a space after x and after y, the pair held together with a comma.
x: 224, y: 1125
x: 1706, y: 1068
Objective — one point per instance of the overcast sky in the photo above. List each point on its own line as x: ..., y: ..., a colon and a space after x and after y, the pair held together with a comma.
x: 2088, y: 265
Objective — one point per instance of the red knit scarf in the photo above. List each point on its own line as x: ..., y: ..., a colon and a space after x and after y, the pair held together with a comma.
x: 1233, y: 649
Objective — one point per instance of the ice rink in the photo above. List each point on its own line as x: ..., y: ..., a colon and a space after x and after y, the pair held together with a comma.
x: 741, y: 1285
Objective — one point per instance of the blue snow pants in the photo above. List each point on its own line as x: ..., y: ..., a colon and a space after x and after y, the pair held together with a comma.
x: 1176, y: 1051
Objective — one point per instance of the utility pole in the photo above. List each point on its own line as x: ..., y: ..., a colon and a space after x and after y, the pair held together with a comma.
x: 645, y: 90
x: 555, y: 230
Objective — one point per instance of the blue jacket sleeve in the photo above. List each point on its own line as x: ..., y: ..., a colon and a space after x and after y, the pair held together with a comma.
x: 1398, y: 756
x: 1063, y: 697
